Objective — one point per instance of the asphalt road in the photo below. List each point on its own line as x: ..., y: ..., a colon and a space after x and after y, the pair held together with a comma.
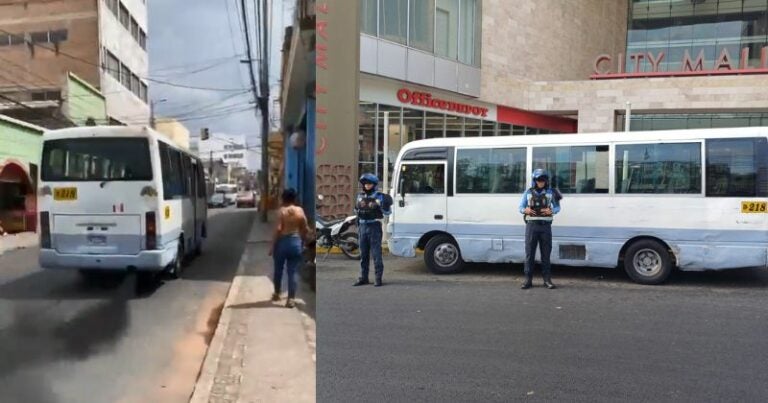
x: 477, y: 337
x: 65, y: 340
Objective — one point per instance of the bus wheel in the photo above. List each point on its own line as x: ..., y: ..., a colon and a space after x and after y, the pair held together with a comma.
x: 177, y: 267
x: 648, y: 262
x: 442, y: 255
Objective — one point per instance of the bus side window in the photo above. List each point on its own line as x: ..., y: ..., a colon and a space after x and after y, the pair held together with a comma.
x: 424, y: 179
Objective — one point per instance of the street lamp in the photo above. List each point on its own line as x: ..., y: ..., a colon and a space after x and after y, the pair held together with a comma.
x: 152, y: 104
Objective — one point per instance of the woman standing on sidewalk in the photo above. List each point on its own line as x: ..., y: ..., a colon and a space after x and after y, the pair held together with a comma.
x: 290, y: 231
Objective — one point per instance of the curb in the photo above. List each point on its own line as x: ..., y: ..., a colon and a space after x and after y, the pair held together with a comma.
x: 205, y: 380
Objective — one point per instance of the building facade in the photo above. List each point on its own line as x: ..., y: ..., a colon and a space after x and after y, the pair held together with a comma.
x: 297, y: 107
x: 174, y: 130
x: 103, y: 42
x: 451, y: 68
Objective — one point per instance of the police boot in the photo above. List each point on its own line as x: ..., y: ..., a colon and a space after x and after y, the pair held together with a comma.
x: 378, y: 282
x: 548, y: 283
x: 527, y: 284
x: 361, y: 281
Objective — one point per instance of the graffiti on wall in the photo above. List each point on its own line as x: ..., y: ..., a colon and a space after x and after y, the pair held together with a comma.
x: 335, y: 183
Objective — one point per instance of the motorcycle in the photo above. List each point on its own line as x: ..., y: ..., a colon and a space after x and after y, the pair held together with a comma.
x: 334, y: 233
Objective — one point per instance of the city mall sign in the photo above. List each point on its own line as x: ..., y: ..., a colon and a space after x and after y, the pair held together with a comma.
x: 607, y: 67
x: 426, y: 100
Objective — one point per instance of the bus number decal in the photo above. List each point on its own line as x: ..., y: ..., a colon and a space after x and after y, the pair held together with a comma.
x: 167, y: 212
x: 754, y: 207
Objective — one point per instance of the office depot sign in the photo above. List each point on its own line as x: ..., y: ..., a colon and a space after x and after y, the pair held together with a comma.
x: 425, y: 99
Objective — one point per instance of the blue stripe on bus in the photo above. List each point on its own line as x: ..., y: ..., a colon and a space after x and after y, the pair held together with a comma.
x: 607, y: 233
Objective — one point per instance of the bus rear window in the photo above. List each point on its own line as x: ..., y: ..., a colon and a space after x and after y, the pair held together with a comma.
x: 96, y: 159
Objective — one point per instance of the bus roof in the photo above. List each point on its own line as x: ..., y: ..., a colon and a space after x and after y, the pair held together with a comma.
x: 110, y: 131
x: 588, y: 138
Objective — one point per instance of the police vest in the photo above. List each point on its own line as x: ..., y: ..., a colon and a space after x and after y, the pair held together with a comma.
x: 368, y: 207
x: 537, y: 202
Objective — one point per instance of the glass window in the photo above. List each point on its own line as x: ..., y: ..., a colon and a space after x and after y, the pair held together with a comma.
x: 17, y: 39
x: 453, y: 126
x: 113, y: 66
x: 5, y: 39
x: 447, y: 28
x: 125, y: 76
x: 368, y: 16
x: 421, y: 25
x: 469, y: 41
x: 695, y: 120
x: 413, y: 125
x: 112, y: 5
x: 96, y: 159
x: 367, y: 132
x: 39, y: 37
x: 471, y: 127
x: 737, y: 167
x: 499, y: 170
x: 393, y: 20
x: 422, y: 179
x: 143, y: 92
x: 505, y: 129
x: 576, y: 169
x: 174, y: 185
x: 59, y: 35
x: 393, y: 138
x: 434, y: 125
x: 135, y: 29
x: 125, y: 17
x: 135, y: 87
x: 658, y: 168
x: 489, y: 128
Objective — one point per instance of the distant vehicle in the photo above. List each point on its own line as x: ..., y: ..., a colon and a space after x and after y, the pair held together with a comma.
x: 217, y: 200
x: 230, y: 192
x: 246, y: 199
x: 119, y: 198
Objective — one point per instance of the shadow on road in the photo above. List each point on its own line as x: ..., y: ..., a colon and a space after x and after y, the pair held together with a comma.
x: 35, y: 338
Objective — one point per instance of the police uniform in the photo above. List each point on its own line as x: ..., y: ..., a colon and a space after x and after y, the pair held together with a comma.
x: 371, y: 207
x: 538, y: 228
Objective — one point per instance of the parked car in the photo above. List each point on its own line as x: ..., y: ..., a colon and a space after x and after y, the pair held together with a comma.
x: 217, y: 200
x: 246, y: 199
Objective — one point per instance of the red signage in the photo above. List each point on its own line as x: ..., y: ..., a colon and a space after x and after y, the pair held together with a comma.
x: 604, y: 65
x: 425, y: 99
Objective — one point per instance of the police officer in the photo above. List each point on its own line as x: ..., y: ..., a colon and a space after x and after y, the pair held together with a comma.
x: 538, y: 205
x: 371, y: 206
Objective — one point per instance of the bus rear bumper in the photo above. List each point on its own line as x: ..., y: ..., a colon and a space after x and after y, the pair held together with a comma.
x: 403, y: 246
x: 154, y: 260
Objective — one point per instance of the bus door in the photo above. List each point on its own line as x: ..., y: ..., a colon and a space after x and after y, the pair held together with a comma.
x: 420, y: 197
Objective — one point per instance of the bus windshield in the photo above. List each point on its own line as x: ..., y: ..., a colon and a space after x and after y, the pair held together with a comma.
x: 96, y: 159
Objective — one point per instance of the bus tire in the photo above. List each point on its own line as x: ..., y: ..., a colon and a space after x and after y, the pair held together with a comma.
x: 647, y: 262
x: 177, y: 267
x: 442, y: 255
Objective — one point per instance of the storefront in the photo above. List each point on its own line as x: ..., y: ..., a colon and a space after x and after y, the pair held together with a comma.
x: 393, y: 113
x: 19, y: 159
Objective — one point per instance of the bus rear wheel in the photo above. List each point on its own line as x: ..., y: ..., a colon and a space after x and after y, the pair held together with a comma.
x: 648, y: 262
x: 177, y: 267
x: 442, y: 255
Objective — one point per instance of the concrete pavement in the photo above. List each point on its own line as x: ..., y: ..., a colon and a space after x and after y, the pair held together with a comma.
x: 261, y: 351
x: 599, y: 337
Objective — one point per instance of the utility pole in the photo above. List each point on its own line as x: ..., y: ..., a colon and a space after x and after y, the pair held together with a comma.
x: 262, y: 96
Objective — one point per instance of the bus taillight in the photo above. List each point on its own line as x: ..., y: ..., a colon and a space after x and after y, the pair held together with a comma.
x: 45, y: 230
x: 151, y: 230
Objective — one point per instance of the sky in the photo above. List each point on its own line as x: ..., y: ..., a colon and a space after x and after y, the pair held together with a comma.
x: 200, y: 43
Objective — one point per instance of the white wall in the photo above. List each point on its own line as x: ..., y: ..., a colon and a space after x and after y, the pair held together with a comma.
x: 122, y: 104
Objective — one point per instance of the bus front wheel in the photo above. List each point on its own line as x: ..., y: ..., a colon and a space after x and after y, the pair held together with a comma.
x: 648, y: 262
x: 442, y: 255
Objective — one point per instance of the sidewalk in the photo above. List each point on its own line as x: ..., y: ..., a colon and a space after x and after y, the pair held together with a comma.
x: 261, y: 351
x: 17, y: 241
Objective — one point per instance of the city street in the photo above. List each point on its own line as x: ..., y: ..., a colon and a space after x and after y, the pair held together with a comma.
x: 599, y: 337
x: 64, y: 340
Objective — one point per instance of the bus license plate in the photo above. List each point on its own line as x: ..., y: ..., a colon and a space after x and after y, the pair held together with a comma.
x: 754, y: 207
x: 97, y: 239
x: 65, y: 194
